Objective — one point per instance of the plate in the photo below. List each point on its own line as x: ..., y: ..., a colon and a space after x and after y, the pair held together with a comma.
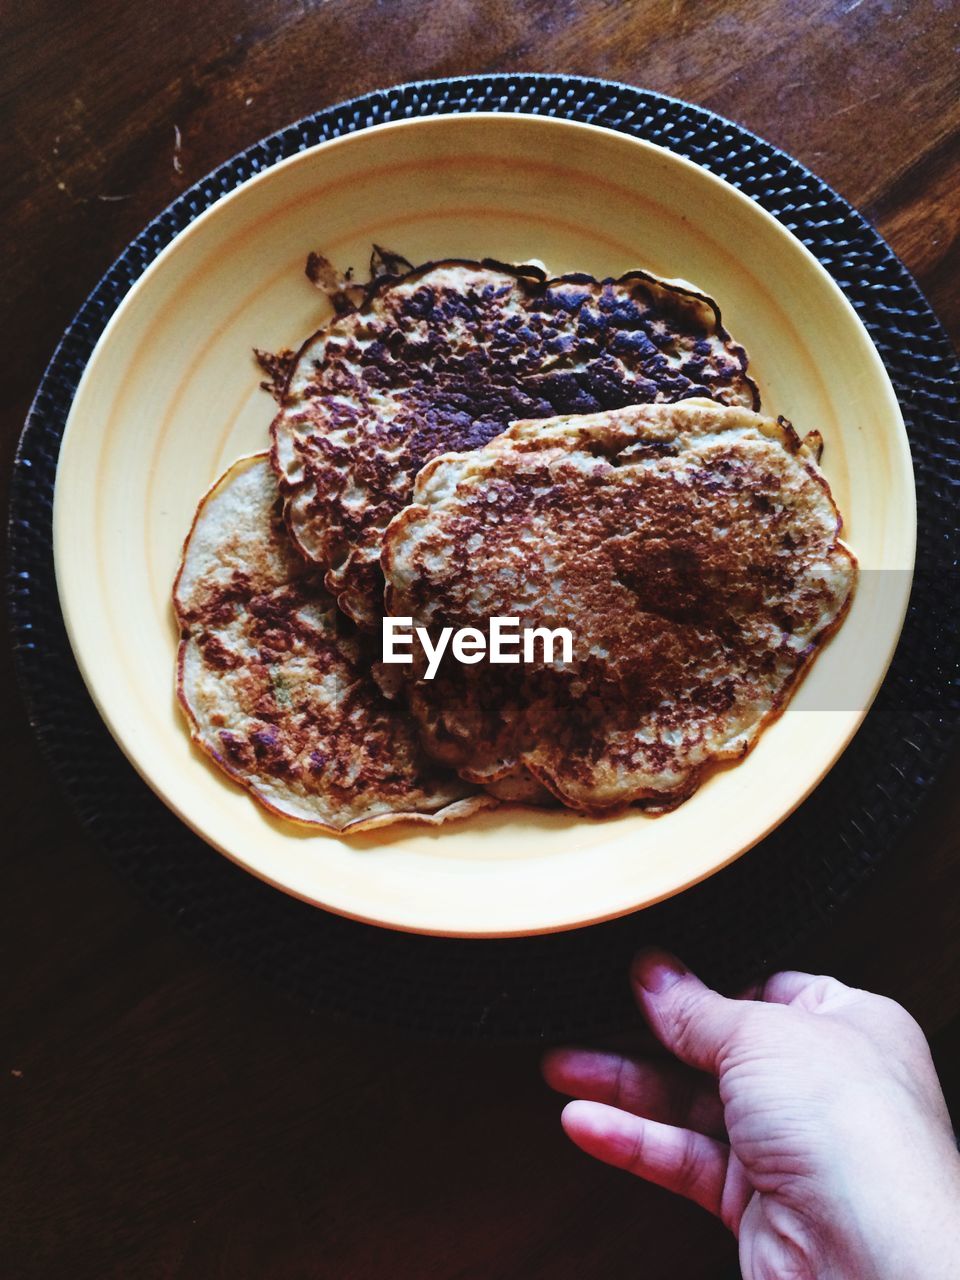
x: 171, y: 396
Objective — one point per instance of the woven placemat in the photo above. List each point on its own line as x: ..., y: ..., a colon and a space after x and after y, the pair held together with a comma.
x: 572, y: 984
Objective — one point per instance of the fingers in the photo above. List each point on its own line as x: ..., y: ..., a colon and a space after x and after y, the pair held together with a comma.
x: 692, y: 1021
x: 665, y: 1092
x: 809, y: 991
x: 688, y: 1163
x: 778, y: 988
x: 813, y: 992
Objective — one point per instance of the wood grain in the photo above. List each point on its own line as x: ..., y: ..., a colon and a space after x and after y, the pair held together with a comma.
x: 163, y: 1116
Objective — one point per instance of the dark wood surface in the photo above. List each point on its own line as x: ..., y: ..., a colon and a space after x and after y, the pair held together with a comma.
x: 161, y: 1115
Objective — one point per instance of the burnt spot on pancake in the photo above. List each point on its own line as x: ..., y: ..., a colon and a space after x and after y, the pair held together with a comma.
x: 693, y: 552
x: 444, y: 358
x: 384, y: 262
x: 339, y: 286
x: 277, y: 365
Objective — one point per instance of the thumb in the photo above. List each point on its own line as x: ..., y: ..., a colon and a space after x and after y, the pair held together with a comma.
x: 692, y: 1021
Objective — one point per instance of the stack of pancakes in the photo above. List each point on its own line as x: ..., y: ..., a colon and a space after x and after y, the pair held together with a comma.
x: 469, y: 440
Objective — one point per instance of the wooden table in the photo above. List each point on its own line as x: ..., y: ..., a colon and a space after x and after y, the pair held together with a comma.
x: 163, y: 1116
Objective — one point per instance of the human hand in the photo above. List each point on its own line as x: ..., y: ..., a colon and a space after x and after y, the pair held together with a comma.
x: 807, y: 1116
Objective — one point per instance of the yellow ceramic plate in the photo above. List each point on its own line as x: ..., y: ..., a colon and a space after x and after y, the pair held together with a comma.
x: 171, y: 397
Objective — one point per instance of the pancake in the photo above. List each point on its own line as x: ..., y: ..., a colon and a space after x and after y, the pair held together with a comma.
x: 278, y: 687
x: 692, y: 550
x: 443, y: 358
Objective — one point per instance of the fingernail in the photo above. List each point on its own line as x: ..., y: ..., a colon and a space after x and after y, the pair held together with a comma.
x: 656, y: 971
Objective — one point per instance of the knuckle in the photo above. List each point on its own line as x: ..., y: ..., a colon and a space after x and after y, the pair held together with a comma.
x: 636, y: 1162
x: 690, y: 1168
x: 684, y: 1022
x: 824, y: 995
x: 825, y: 989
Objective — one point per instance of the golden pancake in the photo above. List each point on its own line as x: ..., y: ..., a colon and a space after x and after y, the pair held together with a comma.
x: 443, y: 358
x: 692, y: 551
x: 278, y: 688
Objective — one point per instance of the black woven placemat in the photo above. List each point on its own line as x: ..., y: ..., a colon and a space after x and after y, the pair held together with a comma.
x: 569, y: 984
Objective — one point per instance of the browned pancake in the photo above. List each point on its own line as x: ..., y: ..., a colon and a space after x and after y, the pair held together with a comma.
x: 692, y: 551
x: 444, y: 358
x: 278, y: 688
